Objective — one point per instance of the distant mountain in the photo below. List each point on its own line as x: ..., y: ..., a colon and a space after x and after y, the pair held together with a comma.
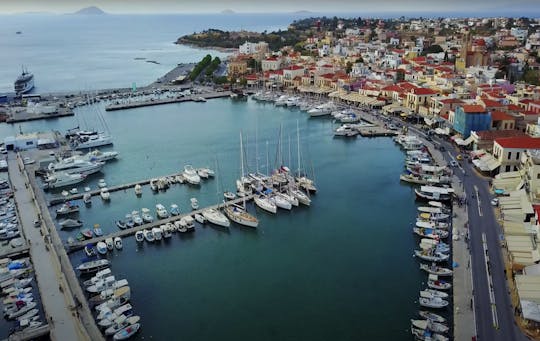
x: 228, y: 11
x: 92, y: 10
x: 303, y: 12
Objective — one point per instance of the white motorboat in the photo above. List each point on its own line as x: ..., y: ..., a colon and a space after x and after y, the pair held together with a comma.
x: 139, y: 236
x: 110, y: 244
x: 431, y: 293
x: 208, y: 171
x: 194, y: 203
x: 102, y: 183
x: 430, y: 325
x: 161, y: 211
x: 69, y: 223
x: 156, y: 231
x: 153, y: 185
x: 435, y: 302
x: 112, y: 314
x: 93, y: 266
x: 174, y: 209
x: 73, y: 191
x: 321, y: 110
x: 300, y: 196
x: 118, y: 243
x: 434, y: 193
x: 97, y: 155
x: 137, y: 220
x: 101, y: 248
x: 239, y: 215
x: 200, y: 218
x: 130, y: 330
x: 87, y: 199
x: 281, y: 202
x: 346, y: 130
x: 191, y: 175
x: 146, y: 216
x: 427, y: 335
x: 148, y: 235
x: 216, y: 217
x: 435, y: 283
x: 138, y: 190
x: 75, y: 165
x: 431, y: 256
x: 67, y: 208
x: 266, y: 204
x: 90, y: 141
x: 63, y: 179
x: 229, y: 195
x: 436, y: 270
x: 104, y: 194
x: 289, y: 198
x: 201, y: 172
x: 431, y: 316
x: 167, y: 230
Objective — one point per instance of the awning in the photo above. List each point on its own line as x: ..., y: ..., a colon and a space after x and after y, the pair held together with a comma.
x: 530, y: 310
x: 465, y: 142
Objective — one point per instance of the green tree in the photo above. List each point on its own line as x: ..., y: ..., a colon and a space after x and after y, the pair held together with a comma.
x: 432, y: 49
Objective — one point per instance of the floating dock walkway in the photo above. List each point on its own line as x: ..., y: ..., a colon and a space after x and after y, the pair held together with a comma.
x: 60, y: 200
x: 147, y: 103
x: 130, y: 231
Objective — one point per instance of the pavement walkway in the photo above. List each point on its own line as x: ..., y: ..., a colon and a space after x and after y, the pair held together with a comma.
x: 59, y: 315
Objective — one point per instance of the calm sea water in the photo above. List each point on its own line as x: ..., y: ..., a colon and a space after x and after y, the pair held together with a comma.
x: 77, y: 52
x: 341, y: 269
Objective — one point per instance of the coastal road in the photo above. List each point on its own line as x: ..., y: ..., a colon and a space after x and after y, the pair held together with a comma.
x: 493, y: 322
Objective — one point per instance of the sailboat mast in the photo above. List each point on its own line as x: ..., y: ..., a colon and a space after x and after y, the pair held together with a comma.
x: 289, y: 161
x: 241, y: 158
x: 298, y: 142
x: 256, y: 151
x: 267, y: 161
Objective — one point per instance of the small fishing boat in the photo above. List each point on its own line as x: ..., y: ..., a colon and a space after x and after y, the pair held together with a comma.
x: 118, y: 243
x: 98, y: 231
x: 67, y: 208
x: 93, y: 266
x: 435, y: 302
x: 102, y: 183
x: 90, y: 250
x: 431, y: 256
x: 431, y: 316
x: 138, y: 190
x: 146, y: 216
x: 229, y: 195
x: 167, y: 230
x: 69, y: 223
x: 174, y: 209
x: 121, y: 224
x: 180, y: 226
x: 101, y: 248
x: 436, y: 270
x: 161, y: 212
x: 148, y: 235
x: 200, y: 218
x: 110, y: 244
x: 435, y: 283
x: 87, y: 199
x: 427, y: 335
x: 104, y: 193
x: 194, y: 203
x: 137, y: 220
x: 73, y: 191
x: 156, y: 231
x: 430, y: 325
x: 87, y: 233
x: 139, y: 236
x: 431, y: 293
x: 127, y: 332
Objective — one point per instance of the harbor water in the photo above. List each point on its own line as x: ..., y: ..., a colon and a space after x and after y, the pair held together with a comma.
x: 341, y: 269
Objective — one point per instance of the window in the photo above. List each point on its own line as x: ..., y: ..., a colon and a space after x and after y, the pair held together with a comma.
x: 538, y: 176
x: 509, y: 155
x: 29, y: 143
x: 517, y: 156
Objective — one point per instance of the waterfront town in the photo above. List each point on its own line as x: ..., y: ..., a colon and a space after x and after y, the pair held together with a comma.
x: 462, y: 96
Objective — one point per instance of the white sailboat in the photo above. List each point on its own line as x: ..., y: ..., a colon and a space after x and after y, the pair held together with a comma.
x: 216, y: 217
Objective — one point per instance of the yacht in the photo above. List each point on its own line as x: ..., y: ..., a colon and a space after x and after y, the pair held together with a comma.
x: 191, y: 175
x: 288, y: 197
x: 62, y: 179
x: 67, y: 208
x: 321, y: 110
x: 301, y: 196
x: 104, y: 193
x: 175, y: 210
x: 148, y: 235
x: 346, y: 130
x: 265, y: 203
x: 146, y: 216
x: 194, y: 203
x: 99, y: 156
x: 24, y: 83
x: 90, y: 141
x: 216, y: 217
x: 161, y: 211
x: 239, y: 215
x: 281, y: 202
x: 156, y: 231
x: 137, y: 220
x: 74, y: 165
x: 434, y: 193
x: 118, y: 243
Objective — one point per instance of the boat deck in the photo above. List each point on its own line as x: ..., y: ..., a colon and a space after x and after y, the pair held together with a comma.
x: 30, y: 334
x: 131, y: 231
x: 147, y: 103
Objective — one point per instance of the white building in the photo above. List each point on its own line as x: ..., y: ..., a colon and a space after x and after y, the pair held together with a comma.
x: 271, y: 63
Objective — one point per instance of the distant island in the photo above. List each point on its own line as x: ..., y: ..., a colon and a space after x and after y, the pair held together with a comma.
x: 228, y: 11
x: 92, y: 10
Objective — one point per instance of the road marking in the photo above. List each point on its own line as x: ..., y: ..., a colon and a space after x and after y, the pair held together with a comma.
x: 478, y: 200
x: 490, y: 284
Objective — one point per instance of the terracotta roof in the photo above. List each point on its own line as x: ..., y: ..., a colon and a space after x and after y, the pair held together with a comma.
x: 423, y: 91
x: 451, y: 100
x: 473, y: 108
x: 491, y: 103
x: 490, y: 135
x: 501, y: 116
x: 513, y: 107
x: 529, y: 112
x: 519, y: 142
x: 293, y: 67
x: 392, y: 88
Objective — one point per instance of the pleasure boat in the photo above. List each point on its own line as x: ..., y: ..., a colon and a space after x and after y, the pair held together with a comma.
x: 200, y: 218
x: 87, y: 199
x: 174, y: 210
x: 106, y: 317
x: 435, y: 302
x: 63, y: 179
x: 93, y: 266
x: 431, y: 316
x: 104, y: 194
x: 194, y: 203
x: 148, y: 235
x: 69, y: 223
x: 118, y: 243
x: 153, y: 185
x: 322, y: 110
x: 229, y: 195
x: 101, y: 248
x: 201, y: 172
x: 156, y: 231
x: 216, y: 217
x: 146, y: 216
x: 110, y: 244
x: 119, y: 322
x: 138, y: 190
x: 191, y: 175
x: 431, y: 256
x: 24, y: 83
x: 307, y: 184
x: 436, y: 270
x: 97, y: 155
x: 289, y: 198
x: 430, y: 325
x: 265, y: 203
x: 435, y: 283
x: 102, y: 183
x: 346, y: 130
x: 90, y: 250
x: 301, y: 196
x: 167, y: 230
x: 67, y: 208
x: 434, y: 193
x: 239, y: 215
x: 128, y: 331
x: 90, y: 141
x: 161, y: 211
x: 139, y: 236
x: 137, y: 220
x: 75, y: 165
x: 280, y: 202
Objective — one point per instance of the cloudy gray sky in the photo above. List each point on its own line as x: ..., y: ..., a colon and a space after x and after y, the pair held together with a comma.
x: 190, y: 6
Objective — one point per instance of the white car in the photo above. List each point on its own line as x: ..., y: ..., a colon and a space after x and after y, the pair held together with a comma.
x: 495, y: 202
x: 28, y: 161
x: 453, y: 163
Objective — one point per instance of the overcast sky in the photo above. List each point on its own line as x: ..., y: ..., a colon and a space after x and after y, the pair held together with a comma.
x: 211, y: 6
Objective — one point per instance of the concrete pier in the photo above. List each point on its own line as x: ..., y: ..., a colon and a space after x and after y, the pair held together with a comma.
x: 147, y: 103
x: 156, y: 223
